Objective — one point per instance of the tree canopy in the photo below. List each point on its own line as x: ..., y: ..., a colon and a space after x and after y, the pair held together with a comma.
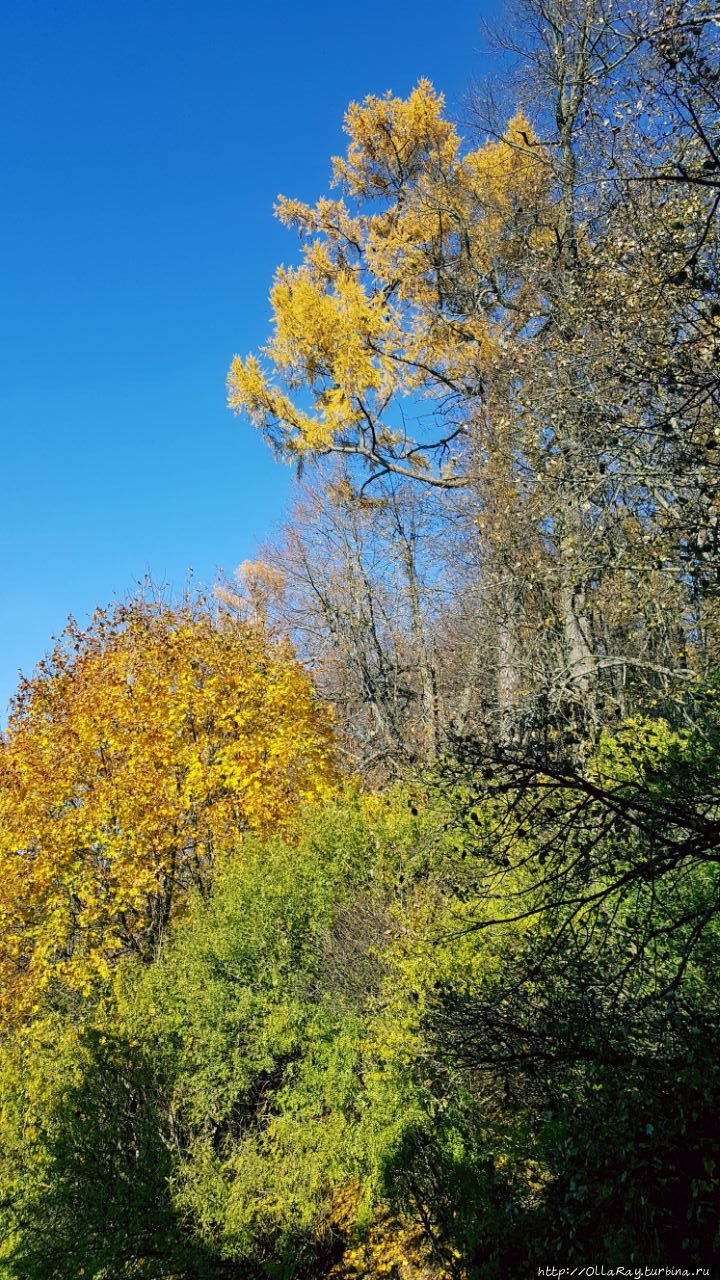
x: 144, y: 746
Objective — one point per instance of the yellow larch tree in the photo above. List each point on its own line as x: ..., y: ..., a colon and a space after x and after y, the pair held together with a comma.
x: 396, y: 343
x: 408, y: 288
x: 142, y: 749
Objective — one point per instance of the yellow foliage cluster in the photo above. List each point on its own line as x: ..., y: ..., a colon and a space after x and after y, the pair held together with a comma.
x: 143, y: 746
x: 390, y: 1248
x: 397, y: 295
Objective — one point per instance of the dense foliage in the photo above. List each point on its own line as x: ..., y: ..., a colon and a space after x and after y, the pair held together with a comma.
x: 141, y: 748
x: 336, y: 1065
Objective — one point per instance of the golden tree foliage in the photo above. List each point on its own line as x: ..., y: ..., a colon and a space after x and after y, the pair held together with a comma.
x: 141, y: 747
x: 390, y: 1247
x: 397, y: 296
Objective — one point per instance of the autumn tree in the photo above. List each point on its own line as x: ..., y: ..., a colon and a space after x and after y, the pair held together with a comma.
x: 515, y: 321
x: 667, y: 191
x: 618, y: 374
x: 143, y: 747
x: 393, y: 321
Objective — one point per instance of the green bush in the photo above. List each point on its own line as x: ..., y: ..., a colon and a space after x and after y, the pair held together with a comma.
x: 477, y: 1005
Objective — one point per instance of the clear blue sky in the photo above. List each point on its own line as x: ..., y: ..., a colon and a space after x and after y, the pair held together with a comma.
x: 144, y: 143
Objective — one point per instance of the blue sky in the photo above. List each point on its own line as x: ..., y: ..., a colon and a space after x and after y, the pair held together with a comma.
x: 143, y: 145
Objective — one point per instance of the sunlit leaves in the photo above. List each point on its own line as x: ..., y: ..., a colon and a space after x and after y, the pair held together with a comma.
x: 142, y: 748
x: 395, y: 294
